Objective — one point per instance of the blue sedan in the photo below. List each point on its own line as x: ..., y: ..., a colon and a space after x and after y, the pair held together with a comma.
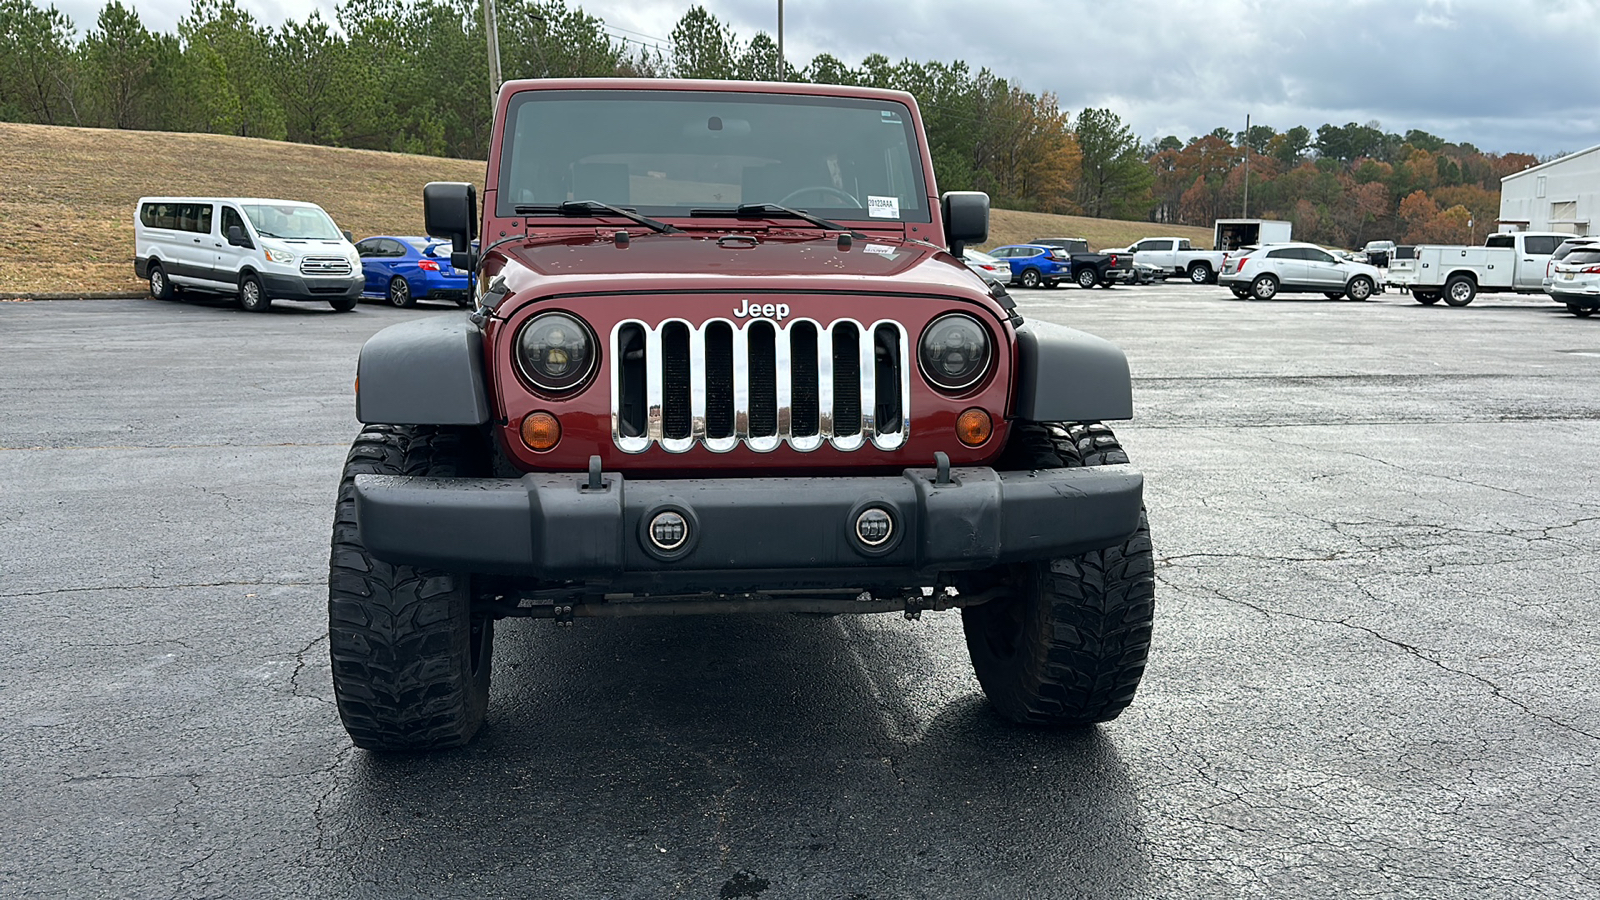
x: 404, y: 270
x: 1033, y: 265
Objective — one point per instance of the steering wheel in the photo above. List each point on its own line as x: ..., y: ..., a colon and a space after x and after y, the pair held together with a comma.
x: 822, y: 189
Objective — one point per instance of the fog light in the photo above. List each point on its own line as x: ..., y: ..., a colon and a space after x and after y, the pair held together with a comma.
x: 973, y: 427
x: 669, y: 531
x: 874, y: 527
x: 541, y: 431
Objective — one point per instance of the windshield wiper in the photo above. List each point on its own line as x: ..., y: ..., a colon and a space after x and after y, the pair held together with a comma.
x: 588, y: 207
x: 747, y: 210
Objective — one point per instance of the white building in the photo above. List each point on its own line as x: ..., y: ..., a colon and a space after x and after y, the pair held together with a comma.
x: 1560, y: 195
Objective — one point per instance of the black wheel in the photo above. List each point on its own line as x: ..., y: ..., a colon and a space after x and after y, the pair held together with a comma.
x: 1030, y: 278
x: 344, y: 304
x: 1460, y: 290
x: 1579, y: 310
x: 464, y: 302
x: 1426, y: 298
x: 1241, y: 293
x: 161, y: 287
x: 400, y: 293
x: 1051, y: 283
x: 1086, y: 277
x: 1068, y: 646
x: 1265, y: 287
x: 251, y: 295
x: 1333, y: 295
x: 1359, y: 288
x: 410, y: 659
x: 1200, y: 273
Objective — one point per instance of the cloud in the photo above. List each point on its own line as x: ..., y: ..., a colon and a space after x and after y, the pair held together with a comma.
x: 1512, y: 75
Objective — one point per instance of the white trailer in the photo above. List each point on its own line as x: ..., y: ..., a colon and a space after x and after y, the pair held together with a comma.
x: 1507, y: 262
x: 1231, y: 234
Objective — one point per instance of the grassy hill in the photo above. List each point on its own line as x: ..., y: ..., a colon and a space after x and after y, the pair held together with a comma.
x: 70, y: 192
x: 69, y: 195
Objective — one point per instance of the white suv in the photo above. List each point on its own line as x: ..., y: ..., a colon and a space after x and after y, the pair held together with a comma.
x: 1273, y: 269
x: 255, y: 249
x: 1576, y: 280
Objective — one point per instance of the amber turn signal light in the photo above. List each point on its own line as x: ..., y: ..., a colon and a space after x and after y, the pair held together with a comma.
x: 540, y: 431
x: 973, y: 427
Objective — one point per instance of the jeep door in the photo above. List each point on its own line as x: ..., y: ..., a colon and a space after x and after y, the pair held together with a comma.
x: 230, y: 260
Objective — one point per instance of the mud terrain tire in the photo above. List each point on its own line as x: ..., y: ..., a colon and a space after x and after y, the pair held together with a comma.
x: 410, y: 660
x: 1068, y: 648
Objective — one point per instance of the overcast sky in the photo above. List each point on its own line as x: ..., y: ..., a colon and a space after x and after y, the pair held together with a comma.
x: 1506, y: 75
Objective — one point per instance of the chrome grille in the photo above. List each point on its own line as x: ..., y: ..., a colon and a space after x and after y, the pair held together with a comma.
x: 324, y: 265
x: 763, y: 384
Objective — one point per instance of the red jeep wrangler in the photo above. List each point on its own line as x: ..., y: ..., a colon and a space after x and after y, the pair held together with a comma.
x: 725, y: 358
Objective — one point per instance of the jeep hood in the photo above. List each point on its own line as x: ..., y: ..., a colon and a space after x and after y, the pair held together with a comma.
x: 718, y: 261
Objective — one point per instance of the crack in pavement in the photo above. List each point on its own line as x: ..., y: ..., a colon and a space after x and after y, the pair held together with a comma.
x: 299, y: 665
x: 159, y: 587
x: 1415, y: 651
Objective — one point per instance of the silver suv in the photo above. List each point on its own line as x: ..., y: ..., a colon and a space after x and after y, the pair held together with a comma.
x: 1289, y: 268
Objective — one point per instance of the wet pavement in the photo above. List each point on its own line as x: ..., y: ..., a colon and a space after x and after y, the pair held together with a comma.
x: 1373, y: 670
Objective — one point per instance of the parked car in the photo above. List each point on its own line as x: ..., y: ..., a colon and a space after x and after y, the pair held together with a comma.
x: 1507, y: 261
x: 1109, y: 266
x: 991, y: 270
x: 1035, y: 266
x: 1139, y: 274
x: 1561, y: 253
x: 404, y: 270
x: 1297, y: 268
x: 1175, y: 256
x: 656, y: 413
x: 1577, y: 280
x: 256, y: 250
x: 1378, y: 253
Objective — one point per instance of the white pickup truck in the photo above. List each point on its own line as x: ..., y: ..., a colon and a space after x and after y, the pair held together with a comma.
x: 1508, y: 261
x: 1174, y: 255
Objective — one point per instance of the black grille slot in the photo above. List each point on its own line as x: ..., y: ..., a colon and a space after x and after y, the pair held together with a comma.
x: 719, y: 380
x: 803, y: 398
x: 763, y: 381
x: 630, y: 377
x: 886, y: 378
x: 675, y: 380
x: 846, y: 379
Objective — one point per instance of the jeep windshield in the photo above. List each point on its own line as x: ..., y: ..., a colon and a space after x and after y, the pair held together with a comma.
x: 671, y: 153
x: 290, y: 223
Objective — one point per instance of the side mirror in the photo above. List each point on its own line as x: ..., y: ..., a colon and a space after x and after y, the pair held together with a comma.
x: 236, y: 236
x: 450, y: 212
x: 966, y: 219
x: 348, y: 236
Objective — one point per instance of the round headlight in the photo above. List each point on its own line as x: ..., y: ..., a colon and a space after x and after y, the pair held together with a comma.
x: 555, y: 351
x: 954, y: 351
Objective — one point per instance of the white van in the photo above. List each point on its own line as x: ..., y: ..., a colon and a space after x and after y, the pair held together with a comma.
x: 257, y: 250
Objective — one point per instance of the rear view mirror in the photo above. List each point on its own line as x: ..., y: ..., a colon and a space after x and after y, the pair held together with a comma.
x: 450, y: 211
x: 966, y: 219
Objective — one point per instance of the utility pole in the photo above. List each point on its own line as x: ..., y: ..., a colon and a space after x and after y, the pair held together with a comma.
x: 494, y: 50
x: 1246, y: 213
x: 780, y: 42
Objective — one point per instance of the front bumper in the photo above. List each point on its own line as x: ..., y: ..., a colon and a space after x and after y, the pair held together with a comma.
x: 750, y: 531
x: 296, y: 287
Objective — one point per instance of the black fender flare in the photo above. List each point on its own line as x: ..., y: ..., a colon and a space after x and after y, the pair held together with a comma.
x: 1066, y: 375
x: 423, y: 372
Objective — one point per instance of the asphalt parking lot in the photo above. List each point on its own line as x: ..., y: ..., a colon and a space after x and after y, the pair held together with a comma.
x: 1373, y: 672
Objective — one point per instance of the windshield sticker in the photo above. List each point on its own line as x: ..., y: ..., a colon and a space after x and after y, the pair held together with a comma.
x: 883, y: 207
x: 880, y: 249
